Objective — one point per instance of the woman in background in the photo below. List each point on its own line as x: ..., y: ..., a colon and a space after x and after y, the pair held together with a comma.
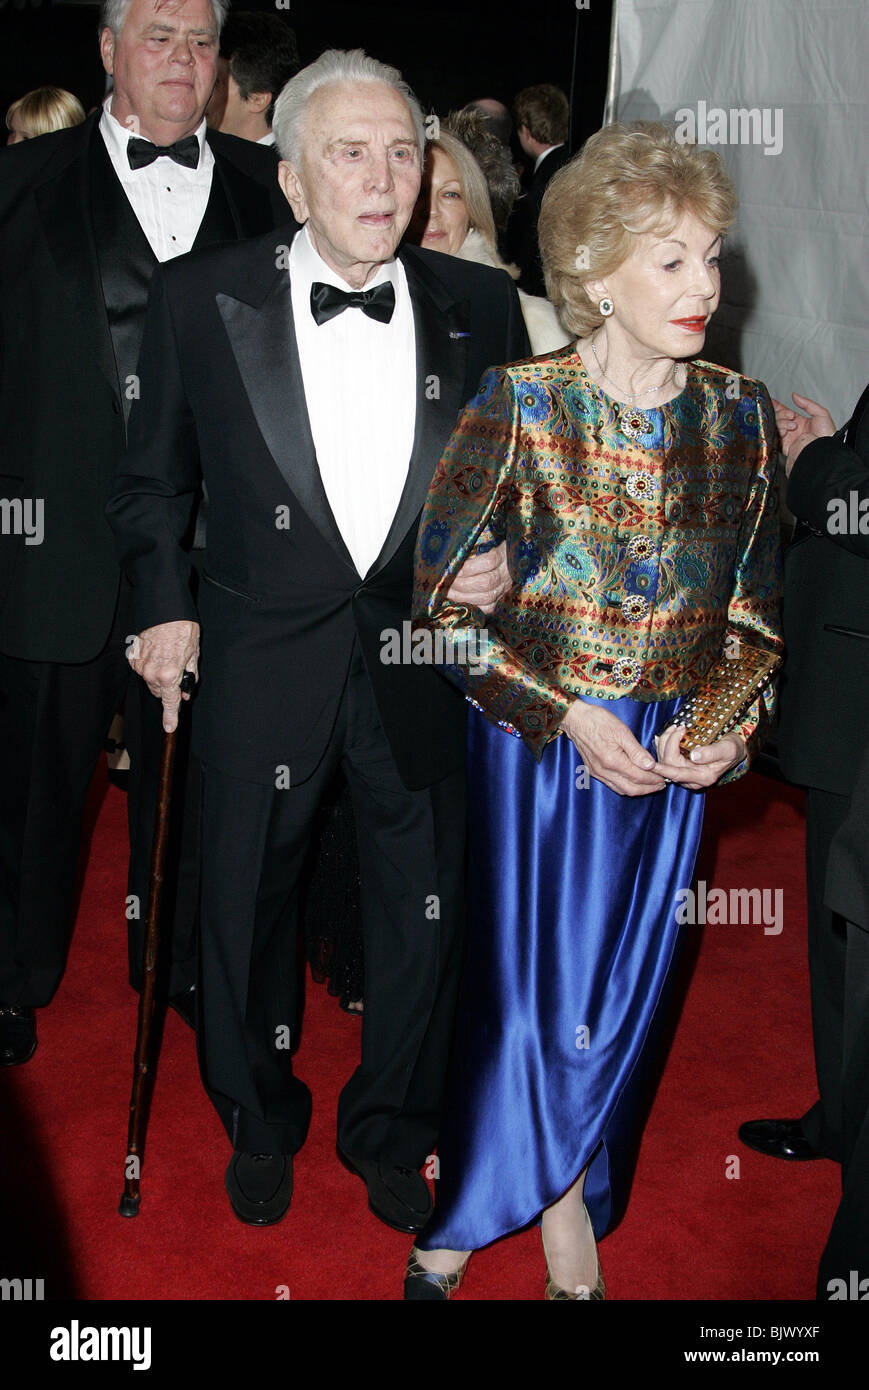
x: 454, y: 215
x: 41, y: 111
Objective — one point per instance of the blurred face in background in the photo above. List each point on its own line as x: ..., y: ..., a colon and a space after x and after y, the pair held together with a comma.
x: 232, y: 113
x: 440, y: 220
x: 216, y: 108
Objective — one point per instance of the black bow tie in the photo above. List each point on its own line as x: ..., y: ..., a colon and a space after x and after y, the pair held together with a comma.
x: 327, y: 301
x: 141, y: 152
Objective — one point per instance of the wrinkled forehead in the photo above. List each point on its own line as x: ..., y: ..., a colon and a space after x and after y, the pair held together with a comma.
x: 171, y: 14
x: 364, y: 111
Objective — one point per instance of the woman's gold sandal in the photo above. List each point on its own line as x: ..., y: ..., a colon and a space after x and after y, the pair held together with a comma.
x: 555, y: 1291
x: 422, y: 1283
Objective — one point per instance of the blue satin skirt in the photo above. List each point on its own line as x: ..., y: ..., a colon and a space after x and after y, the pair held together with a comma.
x: 572, y: 937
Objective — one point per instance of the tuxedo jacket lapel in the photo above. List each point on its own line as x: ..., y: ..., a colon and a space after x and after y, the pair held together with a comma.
x: 441, y: 332
x: 65, y: 210
x: 259, y: 324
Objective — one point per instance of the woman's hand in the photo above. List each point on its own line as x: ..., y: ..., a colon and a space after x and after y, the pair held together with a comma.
x: 704, y: 765
x: 796, y: 431
x: 610, y: 751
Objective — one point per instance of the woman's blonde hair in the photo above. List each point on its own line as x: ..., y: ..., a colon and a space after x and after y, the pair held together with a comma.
x: 46, y: 109
x: 626, y: 180
x: 475, y: 190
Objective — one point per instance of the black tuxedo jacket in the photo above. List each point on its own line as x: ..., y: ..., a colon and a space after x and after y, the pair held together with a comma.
x: 74, y: 272
x: 824, y: 702
x: 522, y: 231
x: 282, y: 603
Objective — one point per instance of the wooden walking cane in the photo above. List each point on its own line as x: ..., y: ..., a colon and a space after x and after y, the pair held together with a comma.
x: 129, y: 1205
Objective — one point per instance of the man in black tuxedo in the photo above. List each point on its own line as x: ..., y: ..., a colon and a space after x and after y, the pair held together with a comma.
x: 312, y: 381
x: 85, y: 216
x: 542, y: 116
x: 824, y: 746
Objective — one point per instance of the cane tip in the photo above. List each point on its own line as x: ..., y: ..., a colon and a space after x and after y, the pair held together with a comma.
x: 129, y: 1206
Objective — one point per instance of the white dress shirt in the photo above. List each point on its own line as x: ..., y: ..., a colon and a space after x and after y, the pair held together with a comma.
x: 267, y: 139
x: 360, y: 388
x: 168, y: 199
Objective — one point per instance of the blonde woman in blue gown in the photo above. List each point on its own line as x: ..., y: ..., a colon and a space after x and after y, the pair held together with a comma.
x: 634, y: 485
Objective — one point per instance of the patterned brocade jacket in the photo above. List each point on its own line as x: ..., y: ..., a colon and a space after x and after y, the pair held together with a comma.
x: 640, y: 542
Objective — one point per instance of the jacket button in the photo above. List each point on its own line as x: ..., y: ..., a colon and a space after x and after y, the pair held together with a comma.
x: 626, y: 671
x: 639, y: 485
x: 635, y: 607
x: 116, y: 405
x: 641, y: 548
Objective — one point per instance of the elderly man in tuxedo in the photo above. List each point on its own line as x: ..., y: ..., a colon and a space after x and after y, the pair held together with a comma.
x: 311, y: 379
x: 85, y: 216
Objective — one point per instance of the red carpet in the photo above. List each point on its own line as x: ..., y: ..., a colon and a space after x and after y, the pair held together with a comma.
x: 742, y: 1049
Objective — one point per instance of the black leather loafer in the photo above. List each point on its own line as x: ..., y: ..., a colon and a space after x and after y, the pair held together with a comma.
x: 17, y: 1035
x: 778, y: 1139
x: 397, y: 1196
x: 260, y: 1187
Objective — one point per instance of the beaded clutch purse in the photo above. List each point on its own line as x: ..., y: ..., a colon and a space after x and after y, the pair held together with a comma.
x: 725, y: 693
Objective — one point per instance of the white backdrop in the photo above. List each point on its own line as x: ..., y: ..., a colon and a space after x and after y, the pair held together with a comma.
x: 795, y: 303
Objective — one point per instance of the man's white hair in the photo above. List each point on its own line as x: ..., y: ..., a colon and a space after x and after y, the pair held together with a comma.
x: 333, y: 66
x: 113, y: 13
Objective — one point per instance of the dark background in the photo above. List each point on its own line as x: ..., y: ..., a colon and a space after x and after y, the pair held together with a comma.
x: 449, y: 52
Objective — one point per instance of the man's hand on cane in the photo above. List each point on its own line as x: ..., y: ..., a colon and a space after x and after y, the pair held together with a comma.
x: 161, y: 655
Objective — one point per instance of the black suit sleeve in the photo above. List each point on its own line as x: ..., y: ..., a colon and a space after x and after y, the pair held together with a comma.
x: 829, y: 487
x: 157, y: 482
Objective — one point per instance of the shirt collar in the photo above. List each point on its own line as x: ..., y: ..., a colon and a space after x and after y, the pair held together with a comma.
x: 544, y: 153
x: 310, y: 266
x: 118, y: 135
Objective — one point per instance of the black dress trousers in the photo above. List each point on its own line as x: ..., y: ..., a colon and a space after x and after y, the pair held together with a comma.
x: 827, y: 936
x: 411, y: 855
x: 54, y: 719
